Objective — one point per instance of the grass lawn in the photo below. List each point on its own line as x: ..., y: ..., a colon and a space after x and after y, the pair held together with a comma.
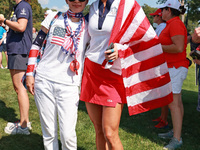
x: 136, y: 132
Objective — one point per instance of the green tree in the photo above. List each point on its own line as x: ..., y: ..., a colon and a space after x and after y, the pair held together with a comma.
x: 147, y: 10
x: 191, y: 26
x: 6, y: 8
x: 194, y: 10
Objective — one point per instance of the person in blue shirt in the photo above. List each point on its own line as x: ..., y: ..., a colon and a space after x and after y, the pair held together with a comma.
x: 2, y: 44
x: 19, y: 41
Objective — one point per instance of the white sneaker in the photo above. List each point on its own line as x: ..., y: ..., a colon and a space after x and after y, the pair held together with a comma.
x: 15, y: 129
x: 18, y: 122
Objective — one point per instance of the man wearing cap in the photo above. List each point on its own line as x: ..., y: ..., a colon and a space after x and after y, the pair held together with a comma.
x: 157, y: 18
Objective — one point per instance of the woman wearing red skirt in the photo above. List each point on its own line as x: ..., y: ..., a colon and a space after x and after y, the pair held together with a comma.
x: 107, y: 80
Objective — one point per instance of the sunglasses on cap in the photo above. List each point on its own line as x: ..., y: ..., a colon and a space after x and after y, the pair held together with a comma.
x: 79, y: 0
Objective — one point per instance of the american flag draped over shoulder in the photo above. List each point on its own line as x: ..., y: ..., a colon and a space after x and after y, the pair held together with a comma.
x: 144, y: 70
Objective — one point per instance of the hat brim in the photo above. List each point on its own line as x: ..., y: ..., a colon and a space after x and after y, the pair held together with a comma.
x: 152, y: 14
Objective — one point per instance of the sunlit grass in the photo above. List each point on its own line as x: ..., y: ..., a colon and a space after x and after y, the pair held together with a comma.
x: 136, y: 132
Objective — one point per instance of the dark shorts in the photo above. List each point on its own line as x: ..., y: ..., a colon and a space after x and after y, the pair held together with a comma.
x: 17, y: 61
x: 3, y: 47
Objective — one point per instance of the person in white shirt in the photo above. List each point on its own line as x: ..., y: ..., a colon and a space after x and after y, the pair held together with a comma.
x: 58, y: 74
x: 95, y: 96
x: 157, y: 19
x: 111, y: 71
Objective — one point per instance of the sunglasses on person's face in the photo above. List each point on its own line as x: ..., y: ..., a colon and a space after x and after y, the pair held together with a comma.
x: 79, y: 0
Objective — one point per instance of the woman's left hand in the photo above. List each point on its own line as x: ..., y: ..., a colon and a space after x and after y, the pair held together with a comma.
x: 112, y: 54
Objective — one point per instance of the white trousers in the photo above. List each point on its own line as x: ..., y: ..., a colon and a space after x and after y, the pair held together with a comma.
x: 57, y: 100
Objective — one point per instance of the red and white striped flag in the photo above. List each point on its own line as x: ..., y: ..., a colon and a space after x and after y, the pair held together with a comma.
x: 144, y: 70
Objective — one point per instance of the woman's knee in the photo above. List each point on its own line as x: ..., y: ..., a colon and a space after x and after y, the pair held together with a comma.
x: 19, y: 89
x: 18, y: 86
x: 69, y: 138
x: 110, y: 134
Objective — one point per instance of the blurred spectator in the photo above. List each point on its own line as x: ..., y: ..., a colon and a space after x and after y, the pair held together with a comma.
x: 195, y: 44
x: 3, y: 35
x: 174, y: 42
x: 160, y: 25
x: 34, y: 34
x: 157, y: 19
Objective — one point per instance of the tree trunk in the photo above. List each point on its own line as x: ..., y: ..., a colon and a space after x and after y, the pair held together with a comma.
x: 182, y: 16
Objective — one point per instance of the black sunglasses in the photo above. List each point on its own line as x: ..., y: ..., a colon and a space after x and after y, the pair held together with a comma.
x: 79, y: 0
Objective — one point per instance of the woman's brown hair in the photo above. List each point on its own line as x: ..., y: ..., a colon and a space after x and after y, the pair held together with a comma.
x: 176, y: 12
x: 28, y: 1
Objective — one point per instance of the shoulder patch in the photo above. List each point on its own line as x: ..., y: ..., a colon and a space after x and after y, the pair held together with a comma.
x: 23, y: 11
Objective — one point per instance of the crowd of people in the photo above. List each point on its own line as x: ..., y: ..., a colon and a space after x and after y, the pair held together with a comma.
x: 106, y: 55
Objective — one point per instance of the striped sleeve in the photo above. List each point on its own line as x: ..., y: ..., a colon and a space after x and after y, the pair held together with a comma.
x: 32, y: 60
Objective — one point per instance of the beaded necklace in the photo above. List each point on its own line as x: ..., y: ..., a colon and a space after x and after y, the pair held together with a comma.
x: 72, y: 39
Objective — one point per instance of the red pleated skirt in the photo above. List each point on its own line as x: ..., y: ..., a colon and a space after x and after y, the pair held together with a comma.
x: 101, y: 86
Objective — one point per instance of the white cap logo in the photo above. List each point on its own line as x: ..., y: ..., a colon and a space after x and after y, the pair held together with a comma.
x: 169, y: 4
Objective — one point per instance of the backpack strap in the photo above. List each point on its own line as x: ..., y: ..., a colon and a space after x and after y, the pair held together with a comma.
x: 52, y: 22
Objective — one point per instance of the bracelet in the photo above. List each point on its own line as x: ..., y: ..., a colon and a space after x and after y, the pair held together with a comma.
x: 4, y: 21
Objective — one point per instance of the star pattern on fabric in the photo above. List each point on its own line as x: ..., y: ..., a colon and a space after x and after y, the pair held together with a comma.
x: 58, y: 31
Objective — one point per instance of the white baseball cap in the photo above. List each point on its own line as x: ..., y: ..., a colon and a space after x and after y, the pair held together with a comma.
x: 172, y: 4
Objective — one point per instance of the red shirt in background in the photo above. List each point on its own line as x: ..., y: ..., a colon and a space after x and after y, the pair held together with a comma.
x: 174, y: 27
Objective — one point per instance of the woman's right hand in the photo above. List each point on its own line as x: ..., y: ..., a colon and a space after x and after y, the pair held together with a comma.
x: 112, y: 54
x: 30, y: 84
